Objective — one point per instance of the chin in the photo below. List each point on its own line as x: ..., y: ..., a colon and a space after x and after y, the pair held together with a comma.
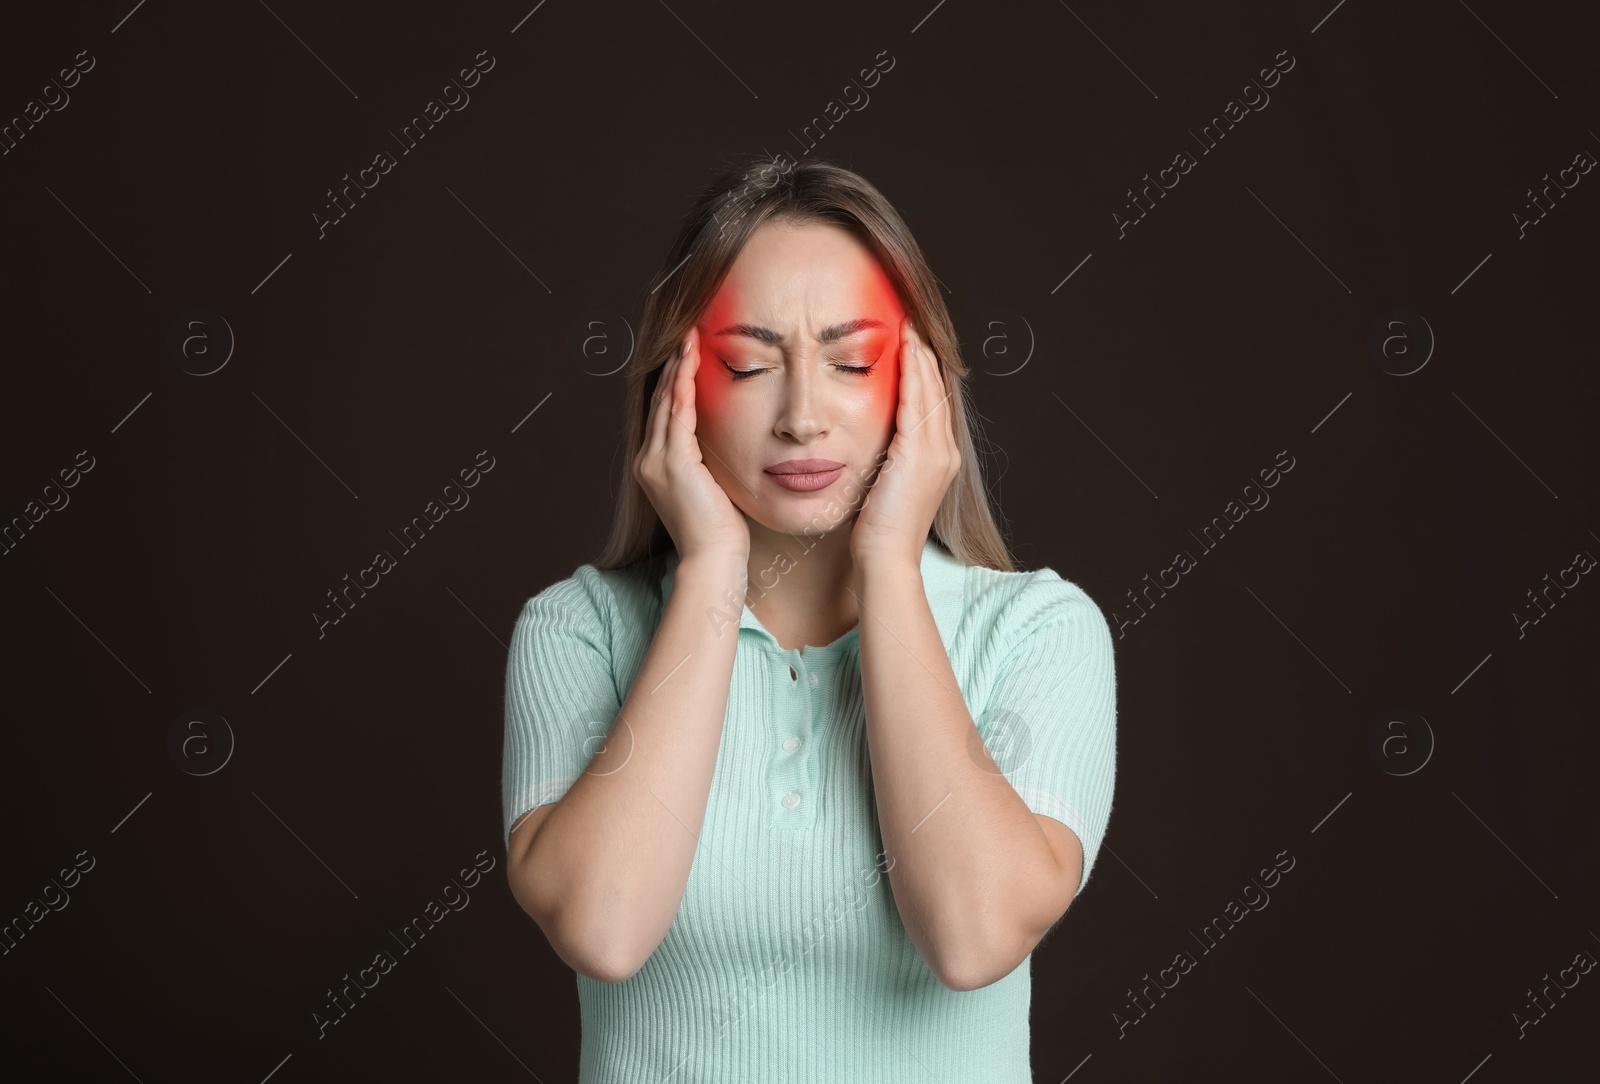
x: 814, y: 523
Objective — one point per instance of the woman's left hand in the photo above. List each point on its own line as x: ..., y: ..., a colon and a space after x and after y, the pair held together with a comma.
x: 922, y: 460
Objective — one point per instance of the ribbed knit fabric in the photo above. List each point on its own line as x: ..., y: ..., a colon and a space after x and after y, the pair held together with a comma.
x: 787, y: 960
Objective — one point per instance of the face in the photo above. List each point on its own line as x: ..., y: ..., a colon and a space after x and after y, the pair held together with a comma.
x: 799, y: 360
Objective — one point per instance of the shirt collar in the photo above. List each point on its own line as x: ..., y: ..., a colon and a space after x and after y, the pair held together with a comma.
x: 943, y: 579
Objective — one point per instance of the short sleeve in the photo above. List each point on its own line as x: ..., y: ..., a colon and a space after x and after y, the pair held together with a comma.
x: 1051, y: 721
x: 561, y: 696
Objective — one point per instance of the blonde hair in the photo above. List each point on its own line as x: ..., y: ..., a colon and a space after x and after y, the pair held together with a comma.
x: 774, y: 188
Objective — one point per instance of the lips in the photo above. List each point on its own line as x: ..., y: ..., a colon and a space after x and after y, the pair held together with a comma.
x: 801, y: 476
x: 805, y: 466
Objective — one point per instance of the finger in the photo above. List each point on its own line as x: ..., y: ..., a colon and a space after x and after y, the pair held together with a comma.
x: 656, y: 432
x: 661, y: 407
x: 683, y: 419
x: 910, y: 378
x: 927, y: 397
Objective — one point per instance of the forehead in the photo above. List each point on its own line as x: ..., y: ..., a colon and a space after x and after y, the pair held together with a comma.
x: 810, y: 272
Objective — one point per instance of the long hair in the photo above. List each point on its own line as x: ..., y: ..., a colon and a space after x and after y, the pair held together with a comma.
x: 744, y: 196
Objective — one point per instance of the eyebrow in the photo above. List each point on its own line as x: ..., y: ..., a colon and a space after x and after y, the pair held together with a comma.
x: 826, y: 335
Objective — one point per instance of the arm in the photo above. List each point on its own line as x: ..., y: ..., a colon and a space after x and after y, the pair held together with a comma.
x: 979, y: 878
x: 603, y: 870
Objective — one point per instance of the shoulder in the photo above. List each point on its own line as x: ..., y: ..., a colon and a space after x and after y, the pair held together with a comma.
x: 1009, y: 607
x: 612, y: 598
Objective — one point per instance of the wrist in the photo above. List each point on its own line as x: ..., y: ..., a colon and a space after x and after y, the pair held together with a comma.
x: 886, y: 550
x: 719, y: 566
x: 879, y: 565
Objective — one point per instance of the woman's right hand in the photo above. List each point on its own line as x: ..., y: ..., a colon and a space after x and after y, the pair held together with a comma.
x: 692, y: 505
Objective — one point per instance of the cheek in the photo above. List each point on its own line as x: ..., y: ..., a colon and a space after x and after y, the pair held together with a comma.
x: 868, y: 405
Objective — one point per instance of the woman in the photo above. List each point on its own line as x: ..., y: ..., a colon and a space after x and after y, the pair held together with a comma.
x: 800, y: 770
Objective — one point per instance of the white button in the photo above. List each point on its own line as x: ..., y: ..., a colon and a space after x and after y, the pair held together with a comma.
x: 811, y: 679
x: 791, y: 800
x: 791, y: 744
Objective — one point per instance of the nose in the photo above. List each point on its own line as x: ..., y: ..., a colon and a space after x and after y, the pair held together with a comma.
x: 801, y: 413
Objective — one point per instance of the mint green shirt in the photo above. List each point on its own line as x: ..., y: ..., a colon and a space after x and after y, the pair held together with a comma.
x: 787, y: 959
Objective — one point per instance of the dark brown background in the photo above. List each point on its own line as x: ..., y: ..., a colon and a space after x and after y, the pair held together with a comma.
x: 1170, y: 367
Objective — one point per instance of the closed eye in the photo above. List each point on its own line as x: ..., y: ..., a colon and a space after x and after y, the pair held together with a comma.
x: 740, y: 374
x: 745, y: 374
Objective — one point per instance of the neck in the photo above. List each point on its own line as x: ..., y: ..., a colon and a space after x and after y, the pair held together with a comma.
x: 801, y: 579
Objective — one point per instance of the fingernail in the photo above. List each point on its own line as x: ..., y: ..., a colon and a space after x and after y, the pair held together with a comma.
x: 685, y: 351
